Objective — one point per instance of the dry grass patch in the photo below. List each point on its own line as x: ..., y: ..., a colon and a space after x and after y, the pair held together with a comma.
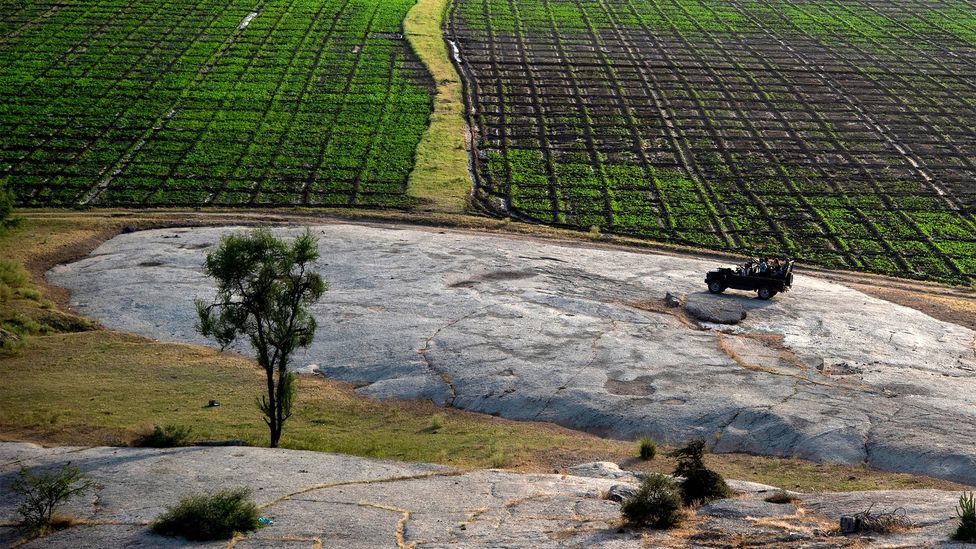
x: 108, y: 388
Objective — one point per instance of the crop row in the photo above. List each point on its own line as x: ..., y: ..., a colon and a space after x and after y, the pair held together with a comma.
x: 117, y: 102
x: 839, y: 132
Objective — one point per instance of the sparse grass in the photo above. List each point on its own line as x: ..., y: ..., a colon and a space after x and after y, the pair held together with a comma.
x: 205, y: 517
x: 92, y: 391
x: 80, y: 391
x: 32, y: 294
x: 80, y: 386
x: 500, y: 459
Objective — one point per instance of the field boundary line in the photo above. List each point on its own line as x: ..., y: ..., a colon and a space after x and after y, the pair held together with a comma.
x: 442, y: 168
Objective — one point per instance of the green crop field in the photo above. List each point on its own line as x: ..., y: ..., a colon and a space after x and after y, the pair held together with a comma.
x: 197, y: 102
x: 842, y: 132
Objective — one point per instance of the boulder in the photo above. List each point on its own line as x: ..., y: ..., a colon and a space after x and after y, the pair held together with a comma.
x: 620, y: 492
x: 602, y: 469
x: 715, y: 309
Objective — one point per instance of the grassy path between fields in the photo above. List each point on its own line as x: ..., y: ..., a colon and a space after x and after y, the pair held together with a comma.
x: 440, y: 173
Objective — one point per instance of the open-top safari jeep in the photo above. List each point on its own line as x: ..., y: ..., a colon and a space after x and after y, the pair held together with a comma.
x: 765, y: 277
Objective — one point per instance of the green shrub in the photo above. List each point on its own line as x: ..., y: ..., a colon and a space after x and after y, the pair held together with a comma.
x: 23, y: 325
x: 56, y: 321
x: 164, y: 437
x: 647, y: 448
x: 32, y: 294
x: 12, y: 274
x: 44, y: 493
x: 10, y: 342
x: 656, y: 503
x: 700, y: 484
x: 15, y: 330
x: 966, y: 531
x: 500, y: 459
x: 220, y: 515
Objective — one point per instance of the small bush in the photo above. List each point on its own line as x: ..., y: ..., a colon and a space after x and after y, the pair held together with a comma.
x: 966, y: 531
x: 880, y: 522
x: 12, y: 276
x: 647, y: 448
x: 23, y: 325
x: 436, y: 422
x: 32, y: 294
x: 700, y: 484
x: 60, y: 322
x: 500, y: 459
x: 656, y: 503
x: 10, y: 342
x: 170, y: 436
x: 44, y: 493
x: 781, y: 497
x: 220, y: 515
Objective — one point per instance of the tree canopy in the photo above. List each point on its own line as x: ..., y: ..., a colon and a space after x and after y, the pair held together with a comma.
x: 264, y: 288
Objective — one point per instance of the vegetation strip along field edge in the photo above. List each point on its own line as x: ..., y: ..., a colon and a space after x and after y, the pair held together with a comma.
x: 441, y: 172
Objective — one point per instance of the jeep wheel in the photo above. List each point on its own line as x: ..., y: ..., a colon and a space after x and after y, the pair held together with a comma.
x: 766, y: 292
x: 715, y: 287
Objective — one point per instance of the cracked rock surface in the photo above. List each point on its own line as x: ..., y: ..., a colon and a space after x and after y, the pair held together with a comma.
x: 530, y: 329
x: 327, y: 500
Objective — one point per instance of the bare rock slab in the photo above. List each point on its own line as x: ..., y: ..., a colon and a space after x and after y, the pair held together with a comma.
x: 536, y: 330
x: 343, y: 501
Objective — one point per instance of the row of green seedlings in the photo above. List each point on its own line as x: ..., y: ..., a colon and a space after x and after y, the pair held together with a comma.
x: 867, y: 253
x: 529, y: 186
x: 98, y: 157
x: 217, y: 159
x: 841, y: 22
x: 535, y: 204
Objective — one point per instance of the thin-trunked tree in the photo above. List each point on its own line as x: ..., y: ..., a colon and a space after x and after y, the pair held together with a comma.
x: 264, y: 288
